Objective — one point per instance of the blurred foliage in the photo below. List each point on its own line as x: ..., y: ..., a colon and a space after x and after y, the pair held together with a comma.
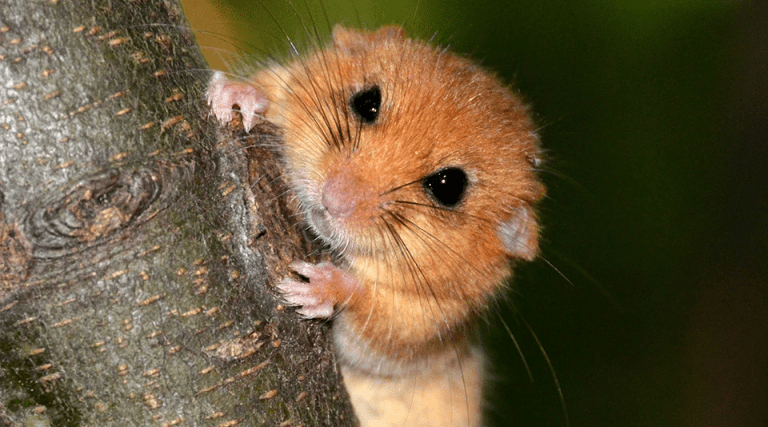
x: 649, y: 297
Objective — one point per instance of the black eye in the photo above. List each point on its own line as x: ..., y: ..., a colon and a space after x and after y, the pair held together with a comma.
x: 365, y: 104
x: 446, y: 186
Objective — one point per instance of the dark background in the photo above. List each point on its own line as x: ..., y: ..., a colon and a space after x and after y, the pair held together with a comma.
x: 650, y: 295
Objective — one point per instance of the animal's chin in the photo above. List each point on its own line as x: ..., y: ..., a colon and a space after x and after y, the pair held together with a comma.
x: 336, y: 233
x: 325, y: 227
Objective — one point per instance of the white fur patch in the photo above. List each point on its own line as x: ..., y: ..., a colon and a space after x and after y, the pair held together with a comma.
x: 520, y: 234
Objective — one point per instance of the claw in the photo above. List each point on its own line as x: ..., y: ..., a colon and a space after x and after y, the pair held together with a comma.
x: 223, y: 94
x: 318, y: 272
x: 313, y: 304
x: 327, y: 285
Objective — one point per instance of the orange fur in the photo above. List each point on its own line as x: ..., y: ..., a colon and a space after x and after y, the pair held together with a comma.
x: 428, y: 120
x: 415, y: 274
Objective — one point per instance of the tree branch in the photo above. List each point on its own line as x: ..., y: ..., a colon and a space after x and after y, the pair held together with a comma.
x: 137, y: 243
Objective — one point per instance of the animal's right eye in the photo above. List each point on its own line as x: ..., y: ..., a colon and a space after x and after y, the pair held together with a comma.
x: 366, y: 103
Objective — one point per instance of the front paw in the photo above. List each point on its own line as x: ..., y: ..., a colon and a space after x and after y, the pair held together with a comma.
x: 311, y: 296
x: 327, y: 285
x: 223, y: 94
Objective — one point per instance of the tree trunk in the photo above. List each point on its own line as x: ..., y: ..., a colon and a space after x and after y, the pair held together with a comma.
x: 137, y: 242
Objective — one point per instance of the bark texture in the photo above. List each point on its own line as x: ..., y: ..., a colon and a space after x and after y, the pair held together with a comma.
x: 137, y: 243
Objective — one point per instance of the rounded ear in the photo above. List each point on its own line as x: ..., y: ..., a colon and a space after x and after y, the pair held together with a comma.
x: 351, y: 40
x: 389, y: 32
x: 520, y: 233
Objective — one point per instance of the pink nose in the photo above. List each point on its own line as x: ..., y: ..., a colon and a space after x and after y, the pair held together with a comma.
x: 338, y: 196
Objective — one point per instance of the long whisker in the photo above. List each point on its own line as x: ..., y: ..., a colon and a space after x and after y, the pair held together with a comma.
x: 552, y: 371
x: 294, y: 49
x: 442, y: 208
x: 392, y: 190
x: 412, y: 266
x: 517, y: 346
x: 423, y: 277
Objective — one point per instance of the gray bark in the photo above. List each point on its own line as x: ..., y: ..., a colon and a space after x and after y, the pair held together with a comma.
x: 137, y: 241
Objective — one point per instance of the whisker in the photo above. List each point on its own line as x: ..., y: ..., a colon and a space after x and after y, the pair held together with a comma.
x: 442, y: 208
x: 293, y: 47
x: 423, y: 277
x: 392, y: 190
x: 412, y: 267
x: 517, y: 346
x: 551, y: 370
x: 557, y: 270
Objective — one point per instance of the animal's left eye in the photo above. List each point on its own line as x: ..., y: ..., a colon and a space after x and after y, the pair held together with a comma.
x: 447, y: 186
x: 366, y: 103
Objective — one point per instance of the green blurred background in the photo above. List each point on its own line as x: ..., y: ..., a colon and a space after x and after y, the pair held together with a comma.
x: 650, y: 297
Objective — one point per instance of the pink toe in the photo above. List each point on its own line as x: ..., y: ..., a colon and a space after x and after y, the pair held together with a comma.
x: 312, y: 303
x: 293, y: 287
x: 322, y: 311
x: 223, y: 94
x: 314, y: 272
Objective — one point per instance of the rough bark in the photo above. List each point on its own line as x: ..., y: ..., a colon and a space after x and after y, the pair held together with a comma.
x: 137, y: 243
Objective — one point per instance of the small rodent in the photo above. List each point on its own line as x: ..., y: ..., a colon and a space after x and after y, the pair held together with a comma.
x: 418, y: 169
